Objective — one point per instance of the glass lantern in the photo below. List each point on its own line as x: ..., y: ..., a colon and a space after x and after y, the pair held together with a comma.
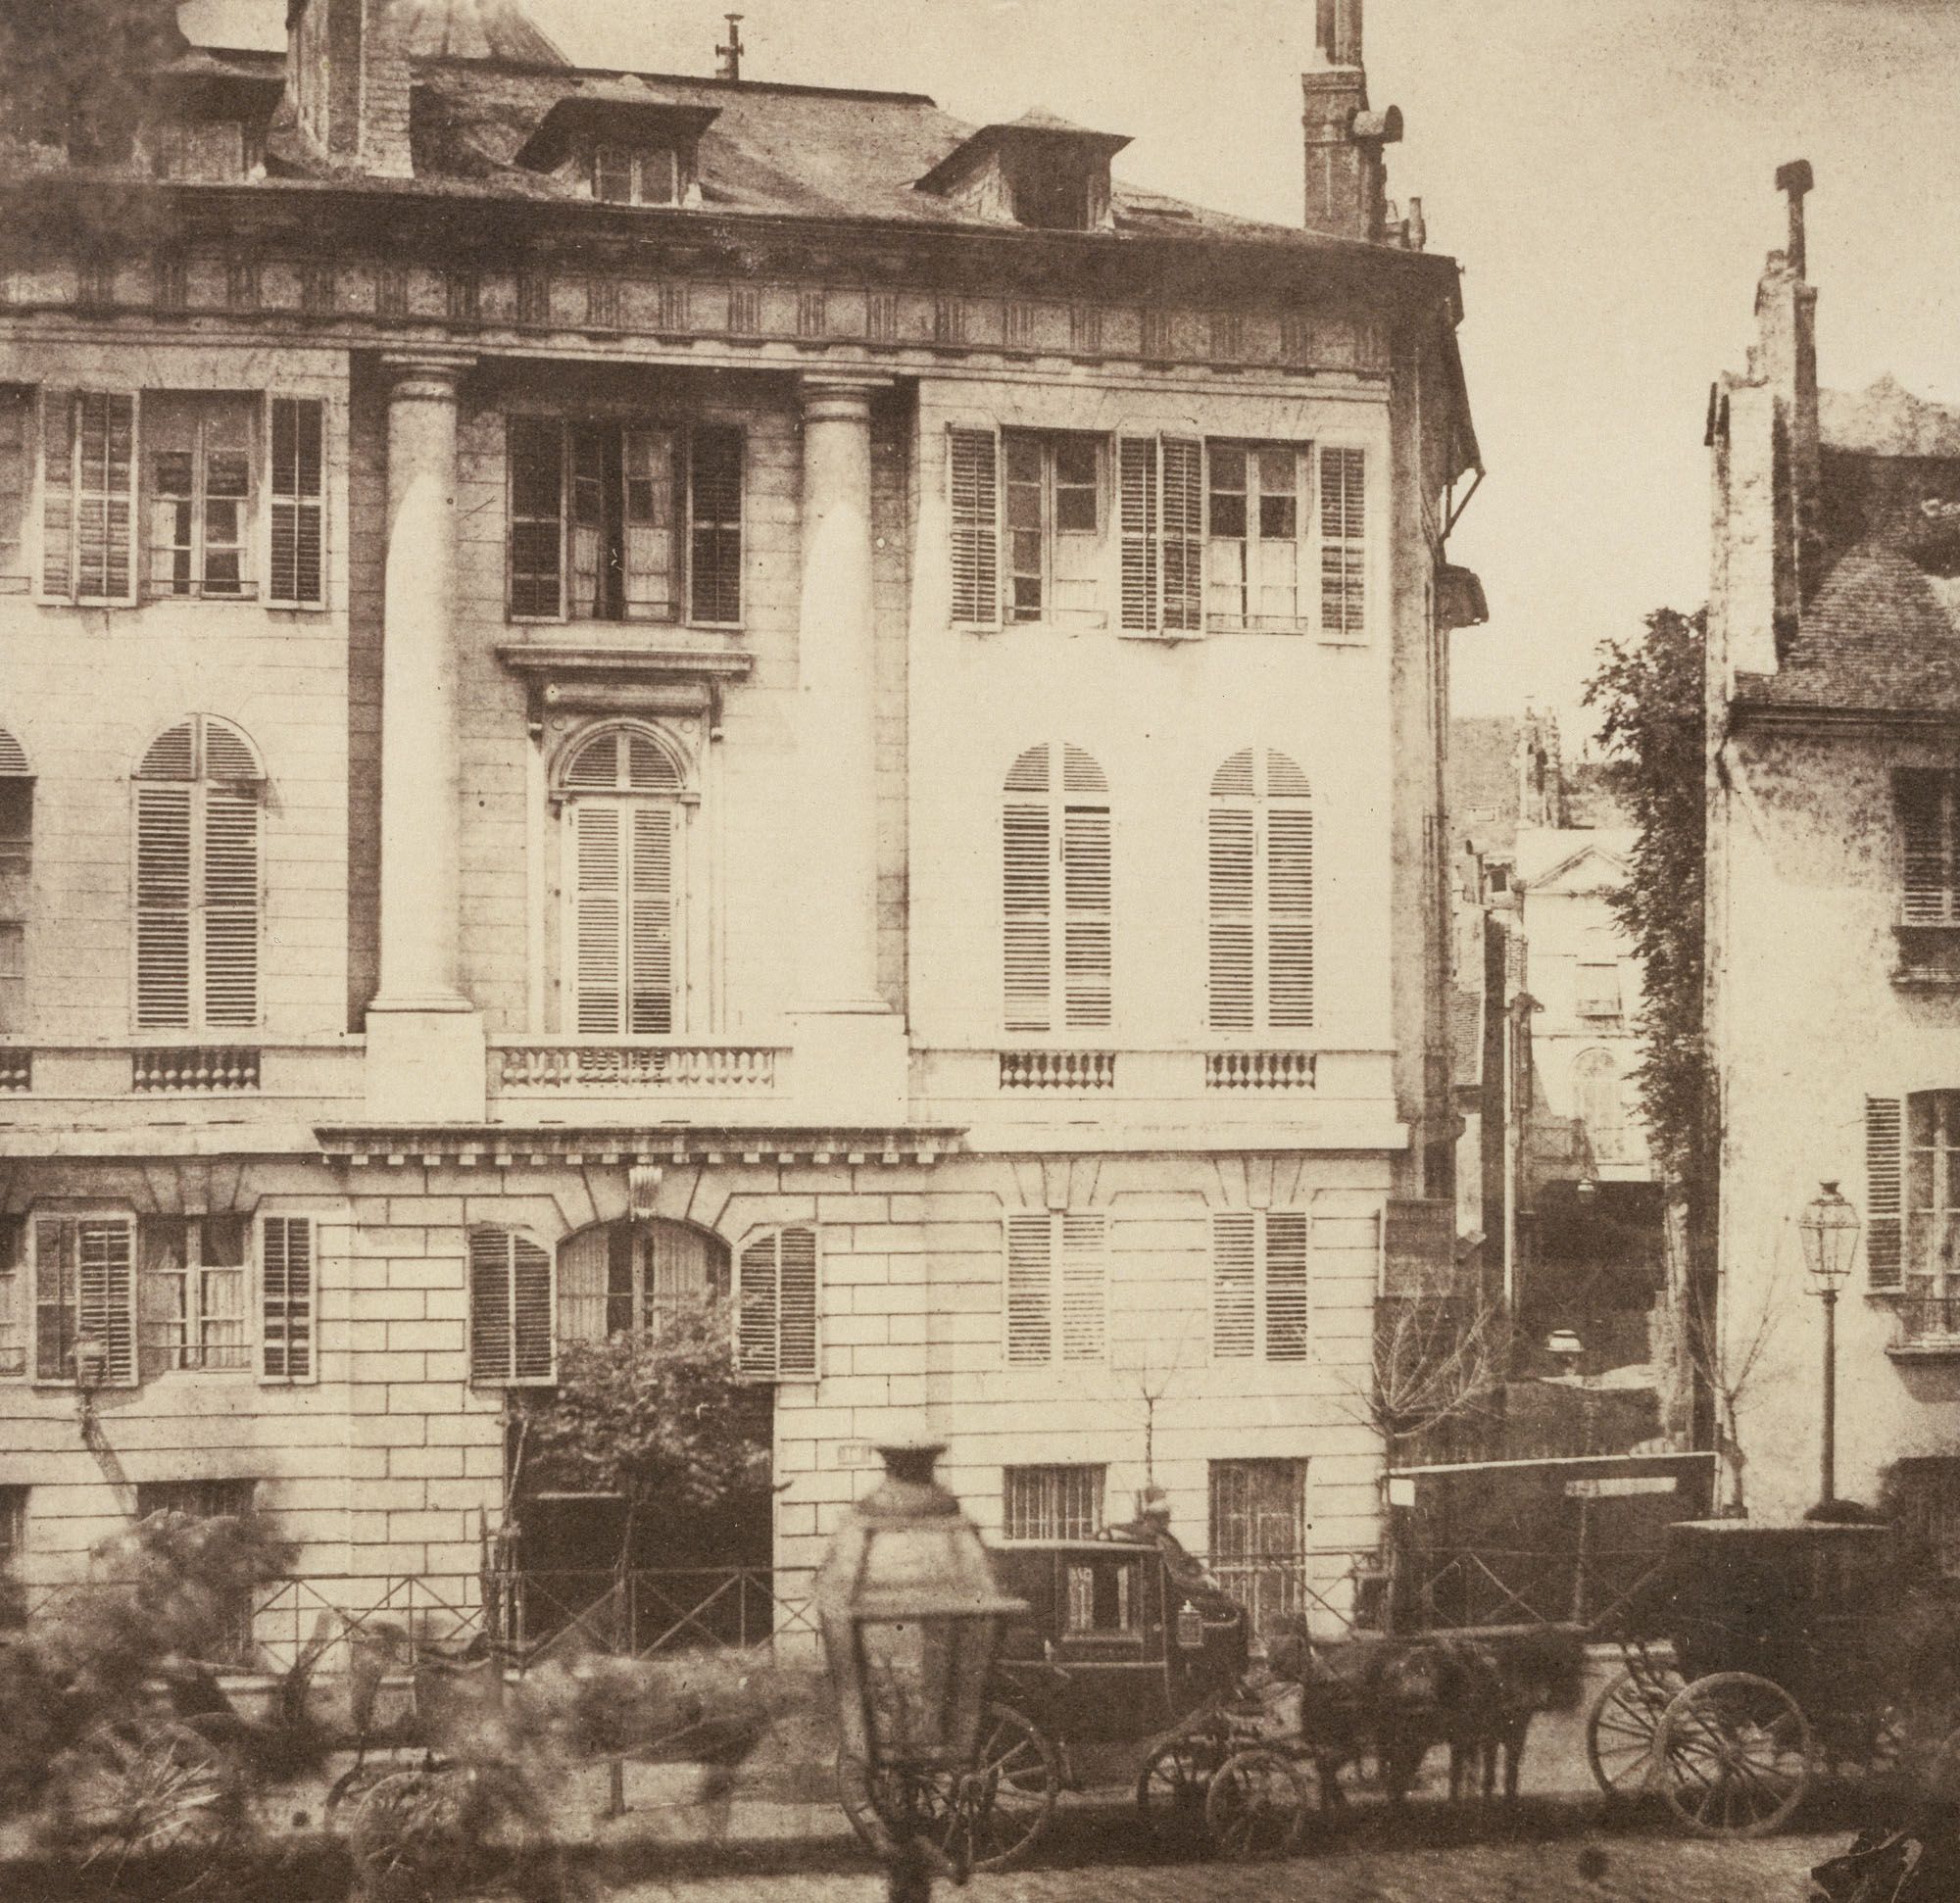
x: 1828, y: 1230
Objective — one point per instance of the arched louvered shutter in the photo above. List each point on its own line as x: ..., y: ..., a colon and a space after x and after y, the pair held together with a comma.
x: 1056, y: 846
x: 510, y: 1320
x: 13, y: 756
x: 198, y: 880
x: 1261, y: 895
x: 776, y: 1306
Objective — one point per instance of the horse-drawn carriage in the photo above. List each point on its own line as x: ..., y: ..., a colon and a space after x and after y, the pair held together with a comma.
x: 1755, y: 1662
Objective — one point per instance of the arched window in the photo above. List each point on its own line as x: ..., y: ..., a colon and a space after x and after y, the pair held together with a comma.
x: 197, y: 878
x: 1596, y: 1094
x: 1261, y: 891
x: 17, y: 863
x: 617, y: 1278
x: 1055, y: 834
x: 624, y: 793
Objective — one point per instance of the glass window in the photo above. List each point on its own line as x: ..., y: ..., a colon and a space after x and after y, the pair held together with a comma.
x: 1102, y: 1595
x: 198, y: 468
x: 1051, y: 1502
x: 193, y: 1294
x: 1056, y: 519
x: 1259, y: 1534
x: 1254, y: 524
x: 1932, y: 1205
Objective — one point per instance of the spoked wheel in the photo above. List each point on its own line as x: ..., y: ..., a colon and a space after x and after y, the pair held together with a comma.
x: 1738, y: 1755
x: 1171, y: 1787
x: 1621, y: 1729
x: 1256, y: 1806
x: 155, y: 1806
x: 990, y: 1820
x: 442, y: 1831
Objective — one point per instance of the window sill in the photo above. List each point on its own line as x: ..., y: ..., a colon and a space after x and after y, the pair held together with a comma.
x: 1256, y: 625
x: 588, y: 623
x: 1926, y: 1347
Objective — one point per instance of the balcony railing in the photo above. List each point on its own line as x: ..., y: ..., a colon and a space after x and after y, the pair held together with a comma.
x: 600, y: 1065
x: 195, y: 1067
x: 1258, y: 1070
x: 16, y: 1069
x: 1057, y: 1070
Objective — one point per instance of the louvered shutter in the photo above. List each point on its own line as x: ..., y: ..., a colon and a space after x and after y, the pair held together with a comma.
x: 714, y: 506
x: 58, y: 494
x: 1885, y: 1211
x: 1232, y: 905
x: 647, y: 532
x: 54, y: 1300
x: 1182, y: 535
x: 1286, y: 1285
x: 537, y: 518
x: 1234, y: 1314
x: 1288, y: 916
x: 1343, y: 542
x: 1926, y: 810
x: 974, y: 483
x: 1030, y: 1293
x: 298, y: 496
x: 755, y: 1338
x: 287, y: 1297
x: 1027, y: 889
x: 532, y: 1347
x: 597, y: 872
x: 163, y: 906
x: 511, y: 1321
x: 776, y: 1310
x: 1084, y: 1290
x: 1085, y: 895
x: 1136, y: 516
x: 230, y: 910
x: 649, y: 935
x: 105, y: 504
x: 105, y: 1284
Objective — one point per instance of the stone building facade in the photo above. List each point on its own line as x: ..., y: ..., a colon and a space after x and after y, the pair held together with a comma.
x: 1834, y: 712
x: 624, y: 683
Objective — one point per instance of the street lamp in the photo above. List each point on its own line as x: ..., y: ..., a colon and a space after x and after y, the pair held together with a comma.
x: 911, y: 1622
x: 1829, y: 1228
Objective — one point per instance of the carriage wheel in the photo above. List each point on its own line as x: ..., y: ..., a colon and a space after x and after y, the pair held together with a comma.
x: 1256, y: 1806
x: 990, y: 1819
x: 1621, y: 1728
x: 1738, y: 1754
x: 1171, y: 1787
x: 441, y: 1830
x: 150, y: 1804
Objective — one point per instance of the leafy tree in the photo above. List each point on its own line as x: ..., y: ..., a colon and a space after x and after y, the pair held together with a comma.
x: 659, y: 1415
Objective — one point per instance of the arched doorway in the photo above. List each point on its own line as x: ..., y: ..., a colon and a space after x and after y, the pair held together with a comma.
x: 640, y: 1565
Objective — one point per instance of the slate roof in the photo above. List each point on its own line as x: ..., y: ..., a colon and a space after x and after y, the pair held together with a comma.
x: 1882, y: 632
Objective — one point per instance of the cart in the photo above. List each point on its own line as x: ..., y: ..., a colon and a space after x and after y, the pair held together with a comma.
x: 1748, y: 1671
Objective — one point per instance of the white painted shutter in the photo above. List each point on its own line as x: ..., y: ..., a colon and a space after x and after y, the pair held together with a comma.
x: 230, y: 910
x: 1182, y: 534
x: 1084, y: 1295
x: 1030, y: 1294
x: 163, y: 906
x: 974, y: 490
x: 1289, y: 915
x: 776, y: 1306
x: 1028, y: 847
x: 106, y: 1287
x: 510, y: 1320
x: 1286, y: 1285
x: 298, y: 499
x: 1926, y: 810
x: 287, y: 1297
x: 1234, y: 1292
x: 105, y: 499
x: 1343, y: 542
x: 1138, y: 519
x: 1232, y: 907
x: 536, y: 446
x: 1885, y: 1211
x: 599, y: 955
x: 649, y: 934
x: 58, y: 494
x: 1087, y: 947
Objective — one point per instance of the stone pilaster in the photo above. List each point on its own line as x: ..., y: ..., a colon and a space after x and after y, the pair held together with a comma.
x: 425, y: 1039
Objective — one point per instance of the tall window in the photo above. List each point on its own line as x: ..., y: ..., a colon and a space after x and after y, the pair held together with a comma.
x: 192, y: 1293
x: 17, y: 485
x: 1054, y: 527
x: 1057, y: 1289
x: 297, y: 482
x: 1259, y: 1285
x: 16, y: 1319
x: 197, y: 879
x: 1161, y: 485
x: 1257, y: 522
x: 623, y: 791
x: 621, y: 1277
x: 1344, y: 523
x: 1051, y: 1502
x: 88, y: 500
x: 1929, y: 813
x: 512, y: 1340
x: 1597, y: 1097
x: 198, y: 494
x: 210, y: 1500
x: 85, y: 1293
x: 17, y: 865
x: 1599, y: 975
x: 625, y: 521
x: 1912, y: 1203
x: 1056, y: 891
x: 1260, y: 866
x: 1259, y: 1534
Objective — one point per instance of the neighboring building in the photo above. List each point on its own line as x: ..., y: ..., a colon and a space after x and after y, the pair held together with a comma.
x: 620, y: 684
x: 1834, y: 901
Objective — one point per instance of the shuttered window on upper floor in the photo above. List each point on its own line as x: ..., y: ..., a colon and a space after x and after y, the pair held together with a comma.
x: 1057, y: 1289
x: 297, y: 484
x: 625, y: 521
x: 1927, y: 801
x: 1057, y: 935
x: 89, y: 496
x: 197, y: 897
x: 1343, y: 546
x: 1259, y: 865
x: 1160, y: 508
x: 1258, y: 1286
x: 512, y: 1332
x: 199, y: 480
x: 17, y: 485
x: 84, y: 1297
x: 776, y: 1305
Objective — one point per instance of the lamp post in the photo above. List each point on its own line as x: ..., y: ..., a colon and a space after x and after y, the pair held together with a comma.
x: 912, y: 1625
x: 1829, y: 1228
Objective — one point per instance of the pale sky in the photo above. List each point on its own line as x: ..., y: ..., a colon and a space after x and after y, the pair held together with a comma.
x: 1602, y: 169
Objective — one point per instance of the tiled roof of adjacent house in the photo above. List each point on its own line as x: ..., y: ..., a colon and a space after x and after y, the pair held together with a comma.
x: 1882, y: 632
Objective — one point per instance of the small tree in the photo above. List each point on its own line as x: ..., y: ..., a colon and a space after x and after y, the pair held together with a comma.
x: 1435, y: 1361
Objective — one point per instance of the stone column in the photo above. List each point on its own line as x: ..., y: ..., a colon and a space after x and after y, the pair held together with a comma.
x: 425, y: 1043
x: 847, y: 1039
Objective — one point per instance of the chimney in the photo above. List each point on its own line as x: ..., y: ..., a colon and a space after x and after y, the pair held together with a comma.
x: 1347, y: 179
x: 732, y: 54
x: 348, y: 75
x: 1786, y: 360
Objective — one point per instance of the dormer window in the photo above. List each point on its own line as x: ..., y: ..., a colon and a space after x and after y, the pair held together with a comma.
x: 1040, y: 171
x: 1051, y: 189
x: 211, y: 149
x: 629, y: 175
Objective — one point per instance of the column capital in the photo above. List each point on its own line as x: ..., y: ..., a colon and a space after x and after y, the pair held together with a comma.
x: 838, y: 397
x: 429, y: 374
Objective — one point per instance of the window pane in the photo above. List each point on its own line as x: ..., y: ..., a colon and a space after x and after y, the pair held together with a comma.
x: 1075, y: 461
x: 174, y: 473
x: 1279, y: 516
x: 1023, y: 457
x: 230, y: 473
